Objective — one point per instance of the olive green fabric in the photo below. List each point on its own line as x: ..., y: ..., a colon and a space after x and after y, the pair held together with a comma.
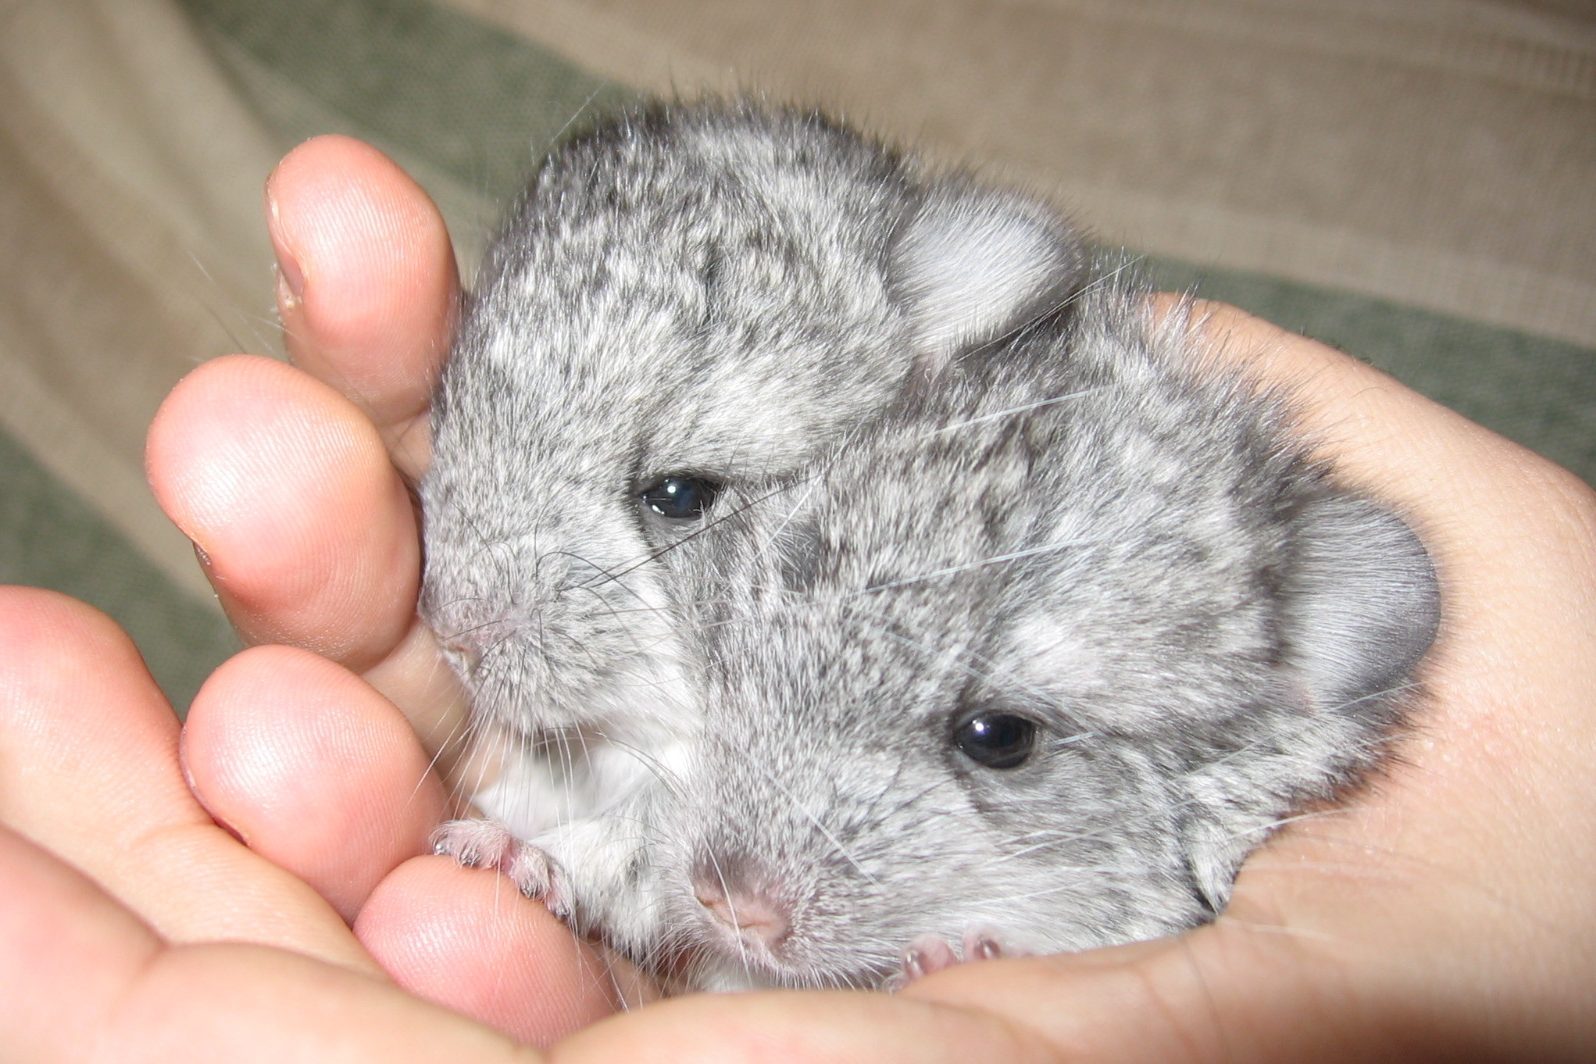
x: 1408, y: 182
x: 52, y: 538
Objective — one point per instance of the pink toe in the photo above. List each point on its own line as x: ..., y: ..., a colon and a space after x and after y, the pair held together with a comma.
x: 927, y: 955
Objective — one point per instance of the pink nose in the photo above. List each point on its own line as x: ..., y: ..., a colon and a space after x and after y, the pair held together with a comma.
x: 467, y: 652
x: 754, y: 916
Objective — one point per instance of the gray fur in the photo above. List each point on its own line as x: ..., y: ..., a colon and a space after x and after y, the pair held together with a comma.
x: 1086, y: 527
x: 721, y: 289
x: 950, y: 486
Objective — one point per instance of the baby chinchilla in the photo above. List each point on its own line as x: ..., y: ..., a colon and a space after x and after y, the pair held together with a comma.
x: 689, y: 300
x: 1030, y: 663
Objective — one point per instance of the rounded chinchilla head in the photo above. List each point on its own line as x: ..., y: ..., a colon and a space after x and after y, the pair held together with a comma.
x: 1043, y: 652
x: 688, y: 297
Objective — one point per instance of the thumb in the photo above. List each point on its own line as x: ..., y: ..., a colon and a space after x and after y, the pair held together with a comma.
x: 1211, y: 994
x: 1250, y: 988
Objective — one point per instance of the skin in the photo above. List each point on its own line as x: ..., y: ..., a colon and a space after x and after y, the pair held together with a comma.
x: 247, y: 887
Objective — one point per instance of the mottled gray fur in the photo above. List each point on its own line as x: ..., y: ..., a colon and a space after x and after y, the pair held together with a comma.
x: 1085, y: 527
x: 719, y: 289
x: 952, y: 483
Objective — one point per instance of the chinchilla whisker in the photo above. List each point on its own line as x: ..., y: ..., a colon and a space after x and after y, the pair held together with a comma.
x: 566, y: 643
x: 726, y: 893
x: 1074, y: 874
x: 461, y: 738
x: 1377, y: 696
x: 931, y: 667
x: 474, y: 522
x: 484, y: 546
x: 709, y: 526
x: 1103, y: 279
x: 271, y: 323
x: 816, y: 821
x: 647, y: 834
x: 1260, y: 830
x: 615, y: 614
x: 601, y: 577
x: 569, y: 122
x: 625, y: 611
x: 461, y: 731
x: 568, y: 756
x: 1012, y: 411
x: 457, y: 633
x: 462, y: 789
x: 914, y: 798
x: 953, y: 570
x: 815, y: 479
x: 792, y: 512
x: 890, y: 789
x: 1299, y: 725
x: 1059, y: 838
x: 667, y: 777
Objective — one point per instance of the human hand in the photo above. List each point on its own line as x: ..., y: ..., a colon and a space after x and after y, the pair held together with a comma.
x: 1435, y: 912
x: 1444, y: 913
x: 132, y: 927
x: 293, y: 484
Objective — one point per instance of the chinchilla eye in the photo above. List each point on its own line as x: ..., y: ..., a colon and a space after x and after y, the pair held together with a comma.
x: 680, y: 498
x: 996, y: 740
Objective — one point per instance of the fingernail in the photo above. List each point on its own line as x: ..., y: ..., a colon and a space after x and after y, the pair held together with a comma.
x: 290, y: 277
x: 287, y: 298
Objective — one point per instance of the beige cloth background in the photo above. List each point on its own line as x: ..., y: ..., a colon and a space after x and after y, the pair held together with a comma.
x: 1440, y: 153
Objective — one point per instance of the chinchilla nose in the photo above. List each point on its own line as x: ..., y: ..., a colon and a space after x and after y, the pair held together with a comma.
x: 746, y: 906
x: 466, y: 646
x: 465, y: 653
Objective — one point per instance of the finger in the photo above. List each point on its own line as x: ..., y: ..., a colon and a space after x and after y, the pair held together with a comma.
x: 466, y: 939
x: 75, y: 693
x: 62, y: 941
x: 1260, y: 993
x: 305, y: 529
x: 368, y: 289
x: 88, y: 767
x: 85, y: 979
x: 809, y: 1026
x: 318, y: 773
x: 1173, y: 999
x: 312, y: 769
x: 286, y: 490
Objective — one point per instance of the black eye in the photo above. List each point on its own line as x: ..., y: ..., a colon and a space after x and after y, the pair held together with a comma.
x: 681, y: 498
x: 996, y: 740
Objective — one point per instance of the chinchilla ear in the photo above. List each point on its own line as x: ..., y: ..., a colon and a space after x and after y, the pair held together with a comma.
x: 1362, y: 601
x: 974, y: 264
